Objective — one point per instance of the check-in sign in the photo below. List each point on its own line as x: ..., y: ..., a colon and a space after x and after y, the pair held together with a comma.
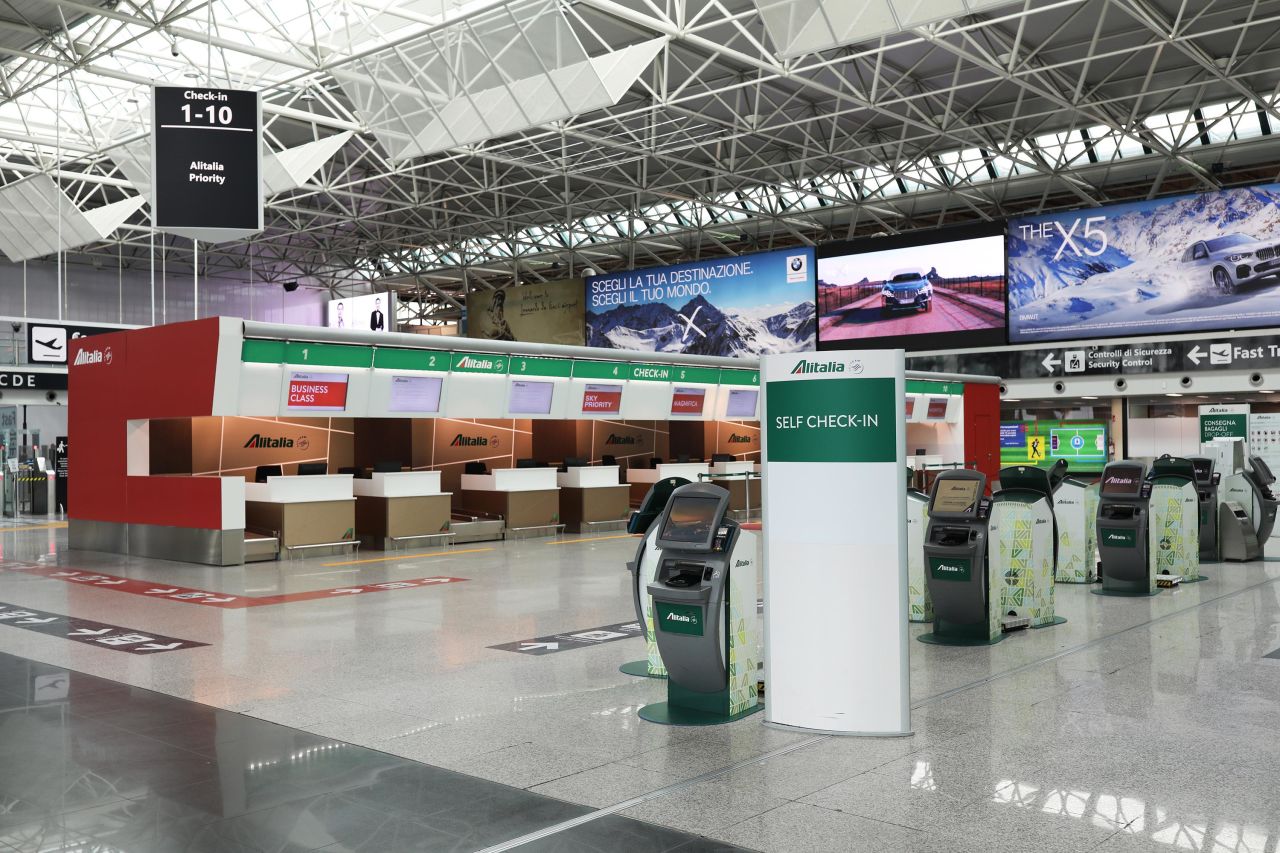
x: 602, y: 400
x: 325, y: 392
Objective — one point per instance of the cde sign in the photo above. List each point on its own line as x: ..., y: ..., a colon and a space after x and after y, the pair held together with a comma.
x: 22, y: 380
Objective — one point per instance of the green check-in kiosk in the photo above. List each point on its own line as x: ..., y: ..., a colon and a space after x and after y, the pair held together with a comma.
x: 704, y: 610
x: 1123, y: 522
x: 1022, y: 546
x: 644, y: 570
x: 960, y: 578
x: 1174, y: 521
x: 919, y: 605
x: 1207, y: 481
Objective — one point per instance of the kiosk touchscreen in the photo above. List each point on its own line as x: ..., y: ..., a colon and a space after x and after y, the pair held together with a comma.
x: 644, y: 570
x: 1207, y: 481
x: 1022, y: 547
x: 1123, y: 499
x: 957, y: 571
x: 704, y: 610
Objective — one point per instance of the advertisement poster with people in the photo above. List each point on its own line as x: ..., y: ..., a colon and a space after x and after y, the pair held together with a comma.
x: 916, y: 292
x: 375, y: 312
x: 1187, y: 263
x: 549, y: 312
x: 739, y: 306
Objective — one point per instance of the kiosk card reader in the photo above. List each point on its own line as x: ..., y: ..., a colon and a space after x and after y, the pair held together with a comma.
x: 1123, y: 504
x: 1022, y: 546
x: 957, y: 571
x: 1248, y: 512
x: 644, y: 570
x: 704, y: 610
x: 1207, y: 481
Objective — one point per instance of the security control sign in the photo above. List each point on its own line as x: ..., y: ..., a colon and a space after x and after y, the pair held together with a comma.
x: 207, y: 162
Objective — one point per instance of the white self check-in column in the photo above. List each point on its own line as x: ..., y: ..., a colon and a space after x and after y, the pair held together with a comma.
x: 836, y: 651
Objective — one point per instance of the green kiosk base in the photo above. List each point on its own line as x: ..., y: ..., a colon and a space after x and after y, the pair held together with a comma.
x: 639, y: 668
x: 1057, y: 620
x: 950, y: 634
x: 686, y: 708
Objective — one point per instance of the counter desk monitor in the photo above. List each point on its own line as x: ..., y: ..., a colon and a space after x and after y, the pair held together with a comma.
x: 1248, y: 512
x: 262, y: 472
x: 644, y: 570
x: 1207, y: 481
x: 1124, y: 498
x: 957, y: 571
x: 704, y: 610
x: 1022, y: 546
x: 312, y: 469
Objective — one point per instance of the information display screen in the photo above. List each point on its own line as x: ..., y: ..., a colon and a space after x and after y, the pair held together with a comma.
x: 602, y: 400
x: 1123, y: 481
x: 742, y: 403
x: 318, y: 392
x: 530, y: 398
x: 688, y: 401
x: 415, y: 393
x: 937, y: 408
x: 690, y: 519
x: 1042, y: 443
x: 955, y: 496
x: 910, y: 407
x: 374, y: 312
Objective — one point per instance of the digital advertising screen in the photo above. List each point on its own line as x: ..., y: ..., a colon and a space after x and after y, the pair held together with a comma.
x: 372, y: 313
x: 318, y: 392
x: 688, y: 401
x: 1191, y: 263
x: 955, y: 496
x: 742, y: 403
x: 1042, y: 443
x: 415, y: 393
x: 602, y: 400
x: 747, y: 305
x: 530, y: 398
x: 940, y: 290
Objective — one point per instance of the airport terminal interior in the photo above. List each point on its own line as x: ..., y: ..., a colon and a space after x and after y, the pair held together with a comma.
x: 617, y: 425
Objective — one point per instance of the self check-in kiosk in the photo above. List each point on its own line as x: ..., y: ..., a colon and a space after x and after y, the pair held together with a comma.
x: 644, y: 570
x: 1174, y: 519
x: 1022, y: 547
x: 1123, y: 518
x: 919, y: 605
x: 1074, y: 509
x: 704, y: 610
x: 1207, y: 481
x: 1248, y: 512
x: 959, y: 576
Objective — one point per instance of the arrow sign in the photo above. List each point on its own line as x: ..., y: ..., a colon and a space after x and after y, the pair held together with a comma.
x: 347, y: 591
x: 1195, y: 355
x: 529, y: 647
x: 219, y: 600
x: 36, y: 621
x: 108, y: 583
x: 159, y: 591
x: 1051, y: 361
x: 89, y: 632
x: 436, y: 580
x: 158, y: 647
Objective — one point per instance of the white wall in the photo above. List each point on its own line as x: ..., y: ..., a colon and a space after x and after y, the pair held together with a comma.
x: 1150, y: 437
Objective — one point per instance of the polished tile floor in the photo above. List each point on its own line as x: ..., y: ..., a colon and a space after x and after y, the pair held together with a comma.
x: 383, y: 722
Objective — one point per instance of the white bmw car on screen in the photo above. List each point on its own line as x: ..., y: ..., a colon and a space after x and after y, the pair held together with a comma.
x: 1234, y: 260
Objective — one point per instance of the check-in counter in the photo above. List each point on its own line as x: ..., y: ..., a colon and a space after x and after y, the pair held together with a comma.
x: 592, y: 498
x: 401, y: 506
x: 305, y: 512
x: 526, y: 498
x: 742, y: 482
x: 642, y: 479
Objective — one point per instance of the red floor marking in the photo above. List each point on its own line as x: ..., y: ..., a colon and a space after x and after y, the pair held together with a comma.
x: 187, y: 595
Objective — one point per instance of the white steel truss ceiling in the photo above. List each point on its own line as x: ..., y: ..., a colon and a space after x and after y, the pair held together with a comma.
x: 726, y: 142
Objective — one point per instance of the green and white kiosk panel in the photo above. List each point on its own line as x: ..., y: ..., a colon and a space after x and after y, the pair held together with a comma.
x: 1023, y: 546
x: 644, y: 571
x: 704, y: 610
x: 1075, y: 509
x: 1175, y: 520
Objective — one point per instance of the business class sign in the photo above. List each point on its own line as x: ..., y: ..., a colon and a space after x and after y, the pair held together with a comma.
x: 835, y: 523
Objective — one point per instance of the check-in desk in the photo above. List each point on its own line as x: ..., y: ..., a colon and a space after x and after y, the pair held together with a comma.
x: 528, y: 499
x: 593, y: 499
x: 312, y: 512
x: 402, y: 507
x: 742, y: 482
x: 642, y: 479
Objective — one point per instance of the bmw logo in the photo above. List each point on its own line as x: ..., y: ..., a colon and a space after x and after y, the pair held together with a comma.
x: 797, y: 264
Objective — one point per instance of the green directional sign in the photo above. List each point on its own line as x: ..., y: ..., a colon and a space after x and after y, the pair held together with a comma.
x: 412, y: 359
x: 739, y: 377
x: 805, y: 425
x: 468, y: 362
x: 562, y: 367
x: 327, y: 355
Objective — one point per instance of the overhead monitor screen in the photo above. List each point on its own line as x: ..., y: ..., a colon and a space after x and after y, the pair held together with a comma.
x: 742, y: 403
x: 1083, y: 444
x: 318, y: 392
x: 957, y: 497
x: 415, y: 393
x: 911, y: 407
x: 372, y: 313
x: 937, y: 409
x: 1125, y: 480
x: 602, y: 400
x: 690, y: 519
x: 530, y: 398
x: 688, y: 401
x: 918, y: 292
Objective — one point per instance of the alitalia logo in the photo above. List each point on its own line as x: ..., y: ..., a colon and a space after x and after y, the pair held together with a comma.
x: 470, y: 362
x: 461, y: 440
x: 734, y: 438
x: 943, y: 567
x: 672, y: 616
x: 803, y: 366
x: 1117, y: 537
x: 92, y: 356
x: 265, y: 441
x: 621, y: 439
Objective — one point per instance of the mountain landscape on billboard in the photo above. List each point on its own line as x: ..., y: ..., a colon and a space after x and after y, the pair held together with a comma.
x: 700, y: 328
x: 1143, y: 278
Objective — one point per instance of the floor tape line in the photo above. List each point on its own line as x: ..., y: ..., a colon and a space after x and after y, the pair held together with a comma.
x: 592, y: 539
x: 564, y: 826
x: 406, y: 557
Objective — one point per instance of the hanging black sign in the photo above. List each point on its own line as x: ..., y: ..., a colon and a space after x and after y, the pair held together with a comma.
x: 31, y: 380
x: 47, y: 343
x: 60, y: 471
x: 206, y: 162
